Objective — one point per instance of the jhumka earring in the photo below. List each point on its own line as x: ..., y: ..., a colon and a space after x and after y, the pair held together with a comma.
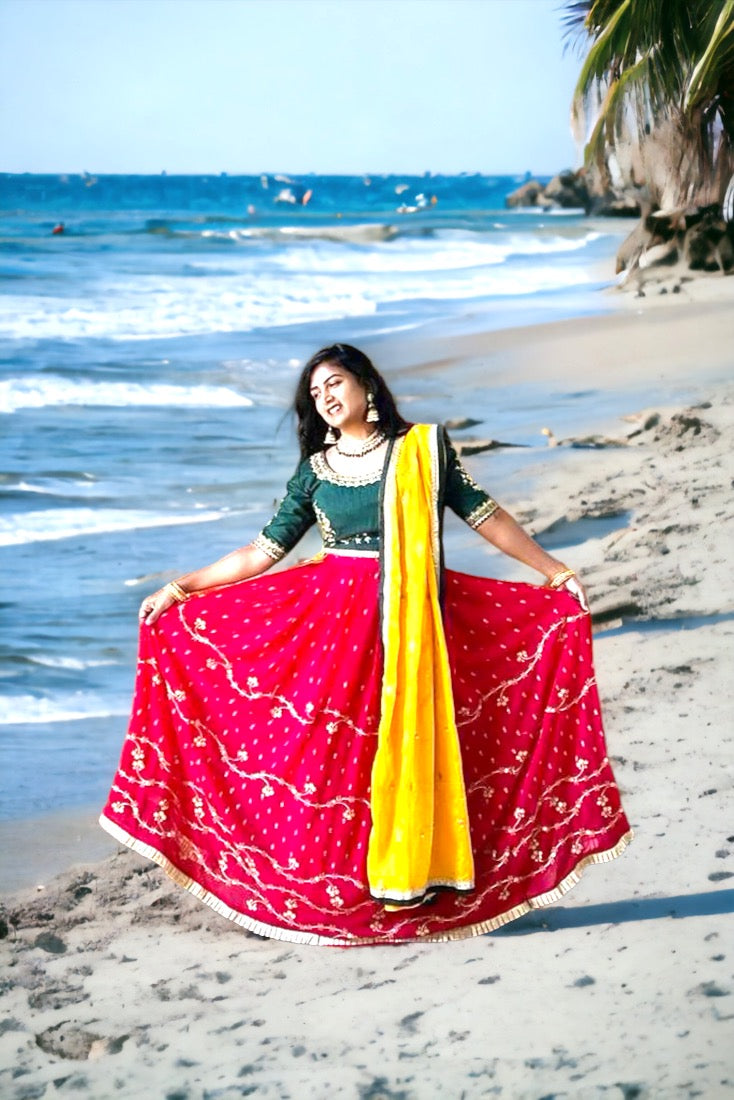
x: 330, y: 438
x: 372, y: 416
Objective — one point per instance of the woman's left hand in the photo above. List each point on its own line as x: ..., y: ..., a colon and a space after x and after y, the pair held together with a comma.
x: 154, y: 605
x: 574, y: 586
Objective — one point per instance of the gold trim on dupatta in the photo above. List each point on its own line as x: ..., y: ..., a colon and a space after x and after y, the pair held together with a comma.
x: 420, y: 824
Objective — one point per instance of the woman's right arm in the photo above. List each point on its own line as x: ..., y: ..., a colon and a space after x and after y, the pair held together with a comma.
x: 240, y: 565
x: 293, y: 518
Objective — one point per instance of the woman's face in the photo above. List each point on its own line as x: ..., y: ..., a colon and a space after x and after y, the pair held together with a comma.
x: 340, y: 399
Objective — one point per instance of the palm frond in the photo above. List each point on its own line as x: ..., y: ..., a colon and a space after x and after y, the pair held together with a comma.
x: 702, y: 83
x: 616, y: 101
x: 658, y: 78
x: 604, y: 54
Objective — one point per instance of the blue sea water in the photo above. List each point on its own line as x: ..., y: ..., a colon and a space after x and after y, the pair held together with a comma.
x: 148, y: 355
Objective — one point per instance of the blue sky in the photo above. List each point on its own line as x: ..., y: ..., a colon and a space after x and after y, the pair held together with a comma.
x: 284, y: 85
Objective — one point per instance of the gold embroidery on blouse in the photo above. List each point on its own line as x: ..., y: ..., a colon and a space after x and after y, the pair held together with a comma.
x: 467, y: 478
x: 483, y: 511
x: 323, y: 470
x: 328, y: 534
x: 269, y: 547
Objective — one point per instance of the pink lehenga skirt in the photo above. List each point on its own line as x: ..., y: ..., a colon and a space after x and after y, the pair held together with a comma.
x: 246, y: 770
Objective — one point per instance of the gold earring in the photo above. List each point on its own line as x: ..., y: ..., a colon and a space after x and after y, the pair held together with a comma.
x: 372, y: 416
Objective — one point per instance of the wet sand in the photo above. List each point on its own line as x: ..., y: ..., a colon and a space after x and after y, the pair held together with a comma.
x: 116, y: 983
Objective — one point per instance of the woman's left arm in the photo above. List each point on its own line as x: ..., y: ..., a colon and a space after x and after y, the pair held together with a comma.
x: 484, y: 514
x: 504, y: 532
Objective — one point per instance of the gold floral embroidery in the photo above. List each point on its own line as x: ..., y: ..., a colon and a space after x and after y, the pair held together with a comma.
x: 436, y: 929
x: 328, y: 534
x: 161, y: 813
x: 336, y: 899
x: 269, y: 547
x: 468, y: 714
x: 323, y: 470
x: 253, y: 691
x: 467, y: 478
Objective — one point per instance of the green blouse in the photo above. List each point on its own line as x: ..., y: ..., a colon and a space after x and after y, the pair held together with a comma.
x: 346, y: 508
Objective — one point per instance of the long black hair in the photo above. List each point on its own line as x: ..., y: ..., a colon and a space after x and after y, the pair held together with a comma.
x: 311, y: 428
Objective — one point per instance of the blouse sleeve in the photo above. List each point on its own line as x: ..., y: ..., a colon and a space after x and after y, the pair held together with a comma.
x: 293, y: 518
x: 463, y: 495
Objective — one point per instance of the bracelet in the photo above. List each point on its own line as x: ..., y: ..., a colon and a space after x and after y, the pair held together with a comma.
x: 175, y: 590
x: 561, y: 578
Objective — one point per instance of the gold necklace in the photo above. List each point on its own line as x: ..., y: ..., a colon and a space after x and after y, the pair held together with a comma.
x: 371, y: 443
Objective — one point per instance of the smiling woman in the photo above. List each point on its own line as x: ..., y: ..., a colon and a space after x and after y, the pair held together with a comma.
x: 368, y: 748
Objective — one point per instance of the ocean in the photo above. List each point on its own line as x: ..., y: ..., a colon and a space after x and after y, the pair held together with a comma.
x: 149, y: 350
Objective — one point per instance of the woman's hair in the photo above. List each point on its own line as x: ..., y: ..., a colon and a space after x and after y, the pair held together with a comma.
x: 311, y: 428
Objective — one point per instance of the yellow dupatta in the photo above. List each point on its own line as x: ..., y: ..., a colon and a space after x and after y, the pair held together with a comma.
x: 420, y: 826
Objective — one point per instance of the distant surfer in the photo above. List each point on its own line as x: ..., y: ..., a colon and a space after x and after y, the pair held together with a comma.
x: 58, y: 228
x: 293, y: 196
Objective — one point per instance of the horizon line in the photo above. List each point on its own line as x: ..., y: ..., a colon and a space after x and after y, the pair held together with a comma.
x: 223, y: 173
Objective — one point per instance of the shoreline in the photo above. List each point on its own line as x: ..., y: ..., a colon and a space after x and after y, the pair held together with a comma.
x: 116, y: 974
x: 517, y: 356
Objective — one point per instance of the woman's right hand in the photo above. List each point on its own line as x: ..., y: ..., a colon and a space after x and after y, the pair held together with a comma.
x: 154, y: 605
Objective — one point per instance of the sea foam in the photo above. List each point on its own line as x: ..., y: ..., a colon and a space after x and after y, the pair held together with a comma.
x: 292, y: 275
x: 64, y: 523
x: 64, y: 707
x: 38, y: 391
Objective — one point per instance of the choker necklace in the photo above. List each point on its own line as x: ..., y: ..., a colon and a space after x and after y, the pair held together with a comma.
x: 371, y: 443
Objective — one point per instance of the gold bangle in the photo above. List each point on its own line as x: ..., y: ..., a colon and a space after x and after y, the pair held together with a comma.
x: 179, y: 594
x: 561, y: 578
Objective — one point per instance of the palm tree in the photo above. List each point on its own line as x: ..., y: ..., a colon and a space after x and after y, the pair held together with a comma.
x: 655, y: 97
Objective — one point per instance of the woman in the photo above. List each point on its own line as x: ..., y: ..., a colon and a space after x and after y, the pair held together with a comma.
x: 367, y: 748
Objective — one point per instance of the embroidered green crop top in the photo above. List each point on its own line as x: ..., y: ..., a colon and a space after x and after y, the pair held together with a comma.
x: 346, y: 508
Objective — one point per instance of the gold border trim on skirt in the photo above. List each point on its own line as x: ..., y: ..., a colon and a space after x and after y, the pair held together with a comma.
x: 292, y: 935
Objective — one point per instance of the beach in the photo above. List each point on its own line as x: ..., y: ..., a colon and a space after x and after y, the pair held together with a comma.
x: 117, y: 983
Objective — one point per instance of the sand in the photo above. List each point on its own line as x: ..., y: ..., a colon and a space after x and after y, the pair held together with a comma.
x: 116, y: 983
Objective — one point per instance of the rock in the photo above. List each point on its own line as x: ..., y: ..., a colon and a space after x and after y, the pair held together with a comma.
x: 665, y: 253
x: 50, y: 942
x: 617, y: 204
x: 477, y: 446
x: 700, y: 249
x: 633, y: 246
x: 650, y: 422
x: 526, y: 195
x: 726, y: 251
x: 66, y: 1041
x: 696, y: 237
x: 596, y: 442
x: 460, y: 423
x: 708, y: 245
x: 568, y: 190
